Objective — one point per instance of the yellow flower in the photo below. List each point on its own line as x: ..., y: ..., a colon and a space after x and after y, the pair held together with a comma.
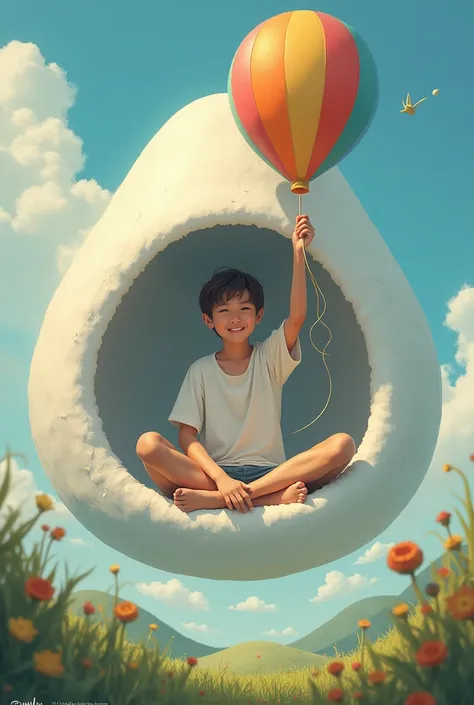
x: 48, y: 663
x: 453, y: 543
x: 153, y: 627
x: 447, y: 468
x: 44, y: 502
x: 114, y: 568
x: 22, y: 629
x: 401, y: 610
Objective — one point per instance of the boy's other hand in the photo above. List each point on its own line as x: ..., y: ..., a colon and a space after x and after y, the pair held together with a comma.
x: 303, y: 233
x: 235, y: 494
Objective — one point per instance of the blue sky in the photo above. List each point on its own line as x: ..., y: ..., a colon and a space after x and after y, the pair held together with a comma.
x: 135, y: 65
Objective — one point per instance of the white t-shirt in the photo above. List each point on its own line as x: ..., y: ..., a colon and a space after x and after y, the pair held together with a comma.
x: 238, y: 417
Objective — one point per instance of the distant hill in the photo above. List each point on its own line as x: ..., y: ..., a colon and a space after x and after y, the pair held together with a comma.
x: 138, y: 631
x: 243, y: 660
x: 342, y: 632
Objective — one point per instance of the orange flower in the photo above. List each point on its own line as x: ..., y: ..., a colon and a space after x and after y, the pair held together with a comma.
x: 191, y: 661
x: 405, y: 557
x: 443, y: 572
x: 401, y: 610
x: 356, y: 666
x: 88, y: 608
x: 126, y: 611
x: 420, y: 698
x: 364, y: 624
x: 377, y: 677
x: 258, y: 655
x: 58, y: 533
x: 153, y: 627
x: 471, y: 458
x: 86, y: 663
x: 461, y: 604
x: 133, y: 665
x: 453, y: 543
x: 444, y: 518
x: 447, y: 468
x: 39, y: 588
x: 48, y: 663
x: 114, y: 568
x: 431, y: 653
x: 426, y: 609
x: 336, y: 668
x: 335, y: 695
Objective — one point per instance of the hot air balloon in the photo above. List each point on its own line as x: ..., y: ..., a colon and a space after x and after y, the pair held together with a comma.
x: 303, y: 90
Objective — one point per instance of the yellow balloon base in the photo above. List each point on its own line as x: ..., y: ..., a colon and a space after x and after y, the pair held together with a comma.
x: 300, y: 187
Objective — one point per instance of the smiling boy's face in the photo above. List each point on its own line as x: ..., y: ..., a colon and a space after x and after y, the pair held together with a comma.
x: 234, y: 319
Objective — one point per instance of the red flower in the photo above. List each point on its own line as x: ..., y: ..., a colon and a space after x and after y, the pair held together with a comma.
x: 426, y: 609
x: 358, y: 695
x: 202, y: 692
x: 420, y: 698
x: 431, y: 653
x: 44, y: 527
x: 86, y: 663
x: 88, y: 608
x: 443, y: 572
x: 444, y: 518
x: 191, y: 661
x: 336, y: 668
x: 58, y: 533
x: 39, y: 588
x: 471, y: 458
x: 356, y: 666
x: 335, y: 695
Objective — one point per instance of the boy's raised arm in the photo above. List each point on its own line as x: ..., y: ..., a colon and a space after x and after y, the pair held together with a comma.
x: 301, y: 238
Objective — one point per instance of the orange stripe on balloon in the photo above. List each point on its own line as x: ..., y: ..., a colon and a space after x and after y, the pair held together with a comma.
x: 305, y: 69
x: 270, y: 95
x: 340, y: 90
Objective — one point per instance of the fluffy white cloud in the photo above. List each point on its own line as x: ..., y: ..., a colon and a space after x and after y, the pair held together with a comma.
x: 374, y: 553
x: 174, y: 593
x: 337, y: 585
x: 78, y: 542
x: 253, y: 604
x: 288, y: 631
x: 21, y: 495
x: 203, y: 628
x: 456, y: 436
x: 45, y: 209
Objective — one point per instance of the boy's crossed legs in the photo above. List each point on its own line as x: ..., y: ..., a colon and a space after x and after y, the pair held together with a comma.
x: 180, y: 478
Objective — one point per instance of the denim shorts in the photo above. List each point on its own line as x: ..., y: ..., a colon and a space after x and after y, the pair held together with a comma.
x: 247, y: 473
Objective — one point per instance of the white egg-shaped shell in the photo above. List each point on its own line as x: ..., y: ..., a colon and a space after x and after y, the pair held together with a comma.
x: 196, y: 174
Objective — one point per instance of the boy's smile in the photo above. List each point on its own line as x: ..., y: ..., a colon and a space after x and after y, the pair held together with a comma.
x: 234, y: 318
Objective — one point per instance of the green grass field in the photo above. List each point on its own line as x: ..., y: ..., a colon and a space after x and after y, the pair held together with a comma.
x: 48, y: 654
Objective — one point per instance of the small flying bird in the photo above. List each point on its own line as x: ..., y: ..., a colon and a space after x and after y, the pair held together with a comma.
x: 408, y: 107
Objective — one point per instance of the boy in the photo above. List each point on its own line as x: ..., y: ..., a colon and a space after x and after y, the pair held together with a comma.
x: 232, y: 401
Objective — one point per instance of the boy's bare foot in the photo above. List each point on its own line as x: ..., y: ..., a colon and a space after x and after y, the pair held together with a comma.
x: 191, y: 500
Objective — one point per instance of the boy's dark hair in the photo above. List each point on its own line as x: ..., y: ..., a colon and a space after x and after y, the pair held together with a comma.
x: 226, y: 283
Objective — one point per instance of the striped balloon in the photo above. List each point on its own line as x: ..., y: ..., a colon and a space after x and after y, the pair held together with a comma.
x: 303, y: 90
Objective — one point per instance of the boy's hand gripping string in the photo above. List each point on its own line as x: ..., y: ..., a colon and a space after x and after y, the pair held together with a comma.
x: 322, y: 352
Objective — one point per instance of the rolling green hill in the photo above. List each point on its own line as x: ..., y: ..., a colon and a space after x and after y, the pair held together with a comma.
x: 138, y: 631
x: 243, y: 658
x: 341, y: 632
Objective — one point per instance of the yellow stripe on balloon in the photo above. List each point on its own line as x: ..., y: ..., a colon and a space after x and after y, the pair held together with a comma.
x: 305, y: 64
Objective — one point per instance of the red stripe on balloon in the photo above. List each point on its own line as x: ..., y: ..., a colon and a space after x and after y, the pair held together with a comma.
x: 340, y: 88
x: 245, y: 105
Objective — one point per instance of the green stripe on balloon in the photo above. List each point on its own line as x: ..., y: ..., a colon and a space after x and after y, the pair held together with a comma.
x: 363, y: 111
x: 242, y: 131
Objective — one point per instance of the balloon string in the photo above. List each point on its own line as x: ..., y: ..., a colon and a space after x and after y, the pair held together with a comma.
x: 319, y: 315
